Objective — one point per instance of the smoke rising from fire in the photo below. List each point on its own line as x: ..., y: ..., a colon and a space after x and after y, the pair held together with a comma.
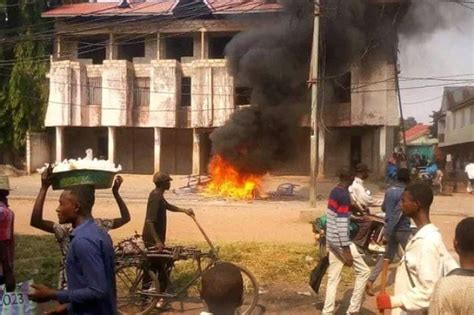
x: 274, y: 61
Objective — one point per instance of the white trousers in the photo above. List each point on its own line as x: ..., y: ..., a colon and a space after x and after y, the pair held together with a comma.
x: 362, y: 272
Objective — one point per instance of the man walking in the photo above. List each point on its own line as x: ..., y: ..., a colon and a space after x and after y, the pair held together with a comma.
x: 154, y: 230
x: 426, y: 258
x: 454, y: 294
x: 90, y: 259
x: 397, y: 225
x: 342, y: 252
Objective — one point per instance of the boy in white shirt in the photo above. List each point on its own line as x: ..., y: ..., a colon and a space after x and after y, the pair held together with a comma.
x: 426, y: 259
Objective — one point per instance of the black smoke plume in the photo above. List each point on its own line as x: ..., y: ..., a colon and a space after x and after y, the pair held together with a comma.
x: 274, y: 62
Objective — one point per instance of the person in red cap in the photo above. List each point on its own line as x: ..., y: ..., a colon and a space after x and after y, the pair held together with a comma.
x: 154, y: 230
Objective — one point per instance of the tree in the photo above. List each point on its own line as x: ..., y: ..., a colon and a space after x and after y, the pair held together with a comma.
x: 435, y: 116
x: 409, y: 122
x: 23, y: 85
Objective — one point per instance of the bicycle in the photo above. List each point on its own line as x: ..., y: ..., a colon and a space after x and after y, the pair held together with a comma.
x: 135, y: 296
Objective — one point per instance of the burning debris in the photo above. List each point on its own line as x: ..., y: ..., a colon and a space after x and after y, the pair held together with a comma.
x: 273, y: 61
x: 228, y: 182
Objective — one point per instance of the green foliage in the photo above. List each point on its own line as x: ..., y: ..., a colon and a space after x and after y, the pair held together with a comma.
x: 23, y: 84
x: 27, y: 90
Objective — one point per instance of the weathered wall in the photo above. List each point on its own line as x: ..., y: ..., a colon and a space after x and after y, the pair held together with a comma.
x: 164, y: 83
x: 37, y: 150
x: 212, y: 99
x: 176, y: 151
x: 58, y: 112
x: 374, y: 98
x: 459, y: 132
x: 338, y: 149
x: 135, y: 150
x: 117, y: 92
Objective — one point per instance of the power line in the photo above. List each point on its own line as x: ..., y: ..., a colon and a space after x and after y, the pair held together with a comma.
x: 171, y: 19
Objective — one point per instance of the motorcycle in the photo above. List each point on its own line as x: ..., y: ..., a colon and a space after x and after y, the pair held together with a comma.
x: 370, y: 249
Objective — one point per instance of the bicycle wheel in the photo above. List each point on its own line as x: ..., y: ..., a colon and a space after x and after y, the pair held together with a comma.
x: 251, y: 293
x: 133, y: 295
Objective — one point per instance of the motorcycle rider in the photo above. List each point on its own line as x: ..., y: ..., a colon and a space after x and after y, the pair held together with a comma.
x: 342, y: 252
x: 362, y: 200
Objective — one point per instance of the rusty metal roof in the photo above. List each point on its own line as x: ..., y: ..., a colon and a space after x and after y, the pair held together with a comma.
x: 157, y: 7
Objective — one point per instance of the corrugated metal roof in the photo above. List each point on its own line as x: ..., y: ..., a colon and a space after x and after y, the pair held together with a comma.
x: 416, y: 131
x: 164, y: 7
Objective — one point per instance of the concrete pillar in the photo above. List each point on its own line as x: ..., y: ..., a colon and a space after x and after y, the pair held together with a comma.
x: 158, y: 46
x: 111, y: 48
x: 321, y: 152
x: 157, y: 149
x: 203, y: 43
x: 111, y: 143
x: 58, y: 47
x: 196, y: 152
x: 59, y: 144
x: 382, y: 150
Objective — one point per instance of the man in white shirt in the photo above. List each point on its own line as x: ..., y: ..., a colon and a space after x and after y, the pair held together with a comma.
x: 362, y: 200
x: 469, y: 170
x: 426, y: 258
x: 360, y: 195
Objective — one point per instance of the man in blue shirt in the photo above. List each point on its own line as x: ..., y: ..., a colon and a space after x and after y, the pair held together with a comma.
x: 89, y: 262
x: 397, y: 225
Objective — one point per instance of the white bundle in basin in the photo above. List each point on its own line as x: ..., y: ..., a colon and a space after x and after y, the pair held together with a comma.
x: 88, y: 163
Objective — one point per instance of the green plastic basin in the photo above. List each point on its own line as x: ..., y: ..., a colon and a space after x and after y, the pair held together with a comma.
x: 99, y: 179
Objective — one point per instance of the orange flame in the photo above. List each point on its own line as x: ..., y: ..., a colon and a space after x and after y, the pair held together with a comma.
x: 228, y: 182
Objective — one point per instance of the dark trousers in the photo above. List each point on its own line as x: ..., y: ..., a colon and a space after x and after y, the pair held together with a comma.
x: 396, y: 239
x: 162, y: 268
x: 366, y: 226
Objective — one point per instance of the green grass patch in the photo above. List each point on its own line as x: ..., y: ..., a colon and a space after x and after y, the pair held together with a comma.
x: 38, y: 257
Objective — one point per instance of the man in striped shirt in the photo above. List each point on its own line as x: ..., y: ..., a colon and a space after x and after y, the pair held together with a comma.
x: 342, y: 252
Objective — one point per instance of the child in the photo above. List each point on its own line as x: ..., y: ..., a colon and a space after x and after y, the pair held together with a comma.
x: 426, y: 259
x: 222, y: 289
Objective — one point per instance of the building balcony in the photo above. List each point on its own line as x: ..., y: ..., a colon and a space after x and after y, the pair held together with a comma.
x: 161, y: 93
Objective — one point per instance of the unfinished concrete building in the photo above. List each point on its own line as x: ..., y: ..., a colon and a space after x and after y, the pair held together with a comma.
x: 145, y: 84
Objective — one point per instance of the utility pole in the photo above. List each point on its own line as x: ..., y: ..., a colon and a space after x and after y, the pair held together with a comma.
x: 314, y: 106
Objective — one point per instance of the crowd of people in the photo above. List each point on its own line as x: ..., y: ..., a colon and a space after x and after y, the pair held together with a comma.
x: 87, y: 269
x: 428, y: 279
x: 426, y: 274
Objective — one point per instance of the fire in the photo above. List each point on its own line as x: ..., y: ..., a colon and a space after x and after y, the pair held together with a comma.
x: 226, y: 181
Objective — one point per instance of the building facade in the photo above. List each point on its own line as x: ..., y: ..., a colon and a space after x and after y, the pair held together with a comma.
x: 456, y: 125
x: 146, y: 84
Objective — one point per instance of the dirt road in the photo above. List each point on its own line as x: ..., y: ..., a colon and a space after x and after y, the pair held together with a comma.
x: 224, y: 220
x: 268, y: 221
